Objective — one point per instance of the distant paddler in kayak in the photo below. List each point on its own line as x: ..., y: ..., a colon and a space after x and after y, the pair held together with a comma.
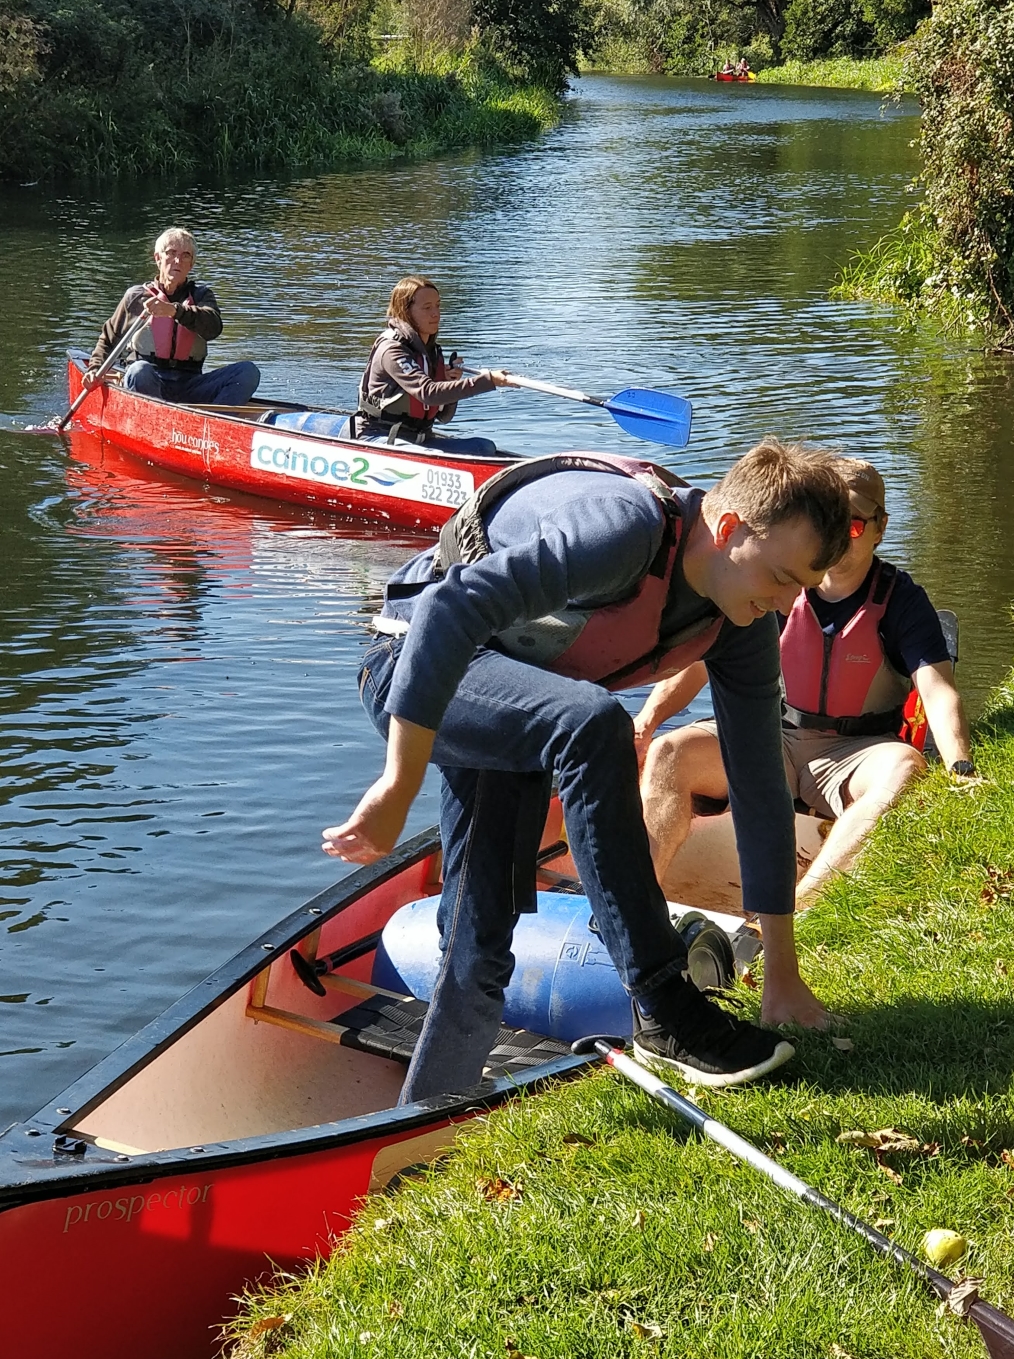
x: 853, y: 649
x: 165, y: 358
x: 408, y: 385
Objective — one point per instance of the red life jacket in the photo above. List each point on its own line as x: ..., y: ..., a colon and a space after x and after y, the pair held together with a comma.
x: 163, y: 338
x: 616, y: 645
x: 843, y: 682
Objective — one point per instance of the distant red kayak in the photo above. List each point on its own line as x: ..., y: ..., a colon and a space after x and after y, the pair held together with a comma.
x: 239, y: 448
x: 728, y: 75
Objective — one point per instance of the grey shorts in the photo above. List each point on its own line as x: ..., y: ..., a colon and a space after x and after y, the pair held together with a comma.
x: 818, y: 764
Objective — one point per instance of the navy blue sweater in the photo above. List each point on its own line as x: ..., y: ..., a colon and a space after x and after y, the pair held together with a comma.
x: 588, y: 538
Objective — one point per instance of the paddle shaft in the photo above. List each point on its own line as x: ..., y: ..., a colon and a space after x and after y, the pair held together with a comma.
x: 568, y: 393
x: 105, y: 366
x: 996, y: 1328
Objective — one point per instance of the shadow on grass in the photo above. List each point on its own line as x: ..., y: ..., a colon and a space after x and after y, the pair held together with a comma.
x: 940, y: 1049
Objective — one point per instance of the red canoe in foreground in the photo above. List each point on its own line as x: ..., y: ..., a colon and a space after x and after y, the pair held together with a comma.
x: 235, y: 448
x: 233, y: 1135
x: 238, y: 1131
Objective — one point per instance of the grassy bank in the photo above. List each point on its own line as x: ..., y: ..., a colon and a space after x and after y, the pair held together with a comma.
x: 883, y: 74
x: 586, y: 1222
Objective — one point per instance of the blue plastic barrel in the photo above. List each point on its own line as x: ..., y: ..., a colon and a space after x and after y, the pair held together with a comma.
x: 564, y: 983
x: 311, y: 422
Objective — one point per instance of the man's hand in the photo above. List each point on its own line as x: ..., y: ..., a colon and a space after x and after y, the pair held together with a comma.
x: 157, y: 306
x: 790, y: 1001
x: 89, y: 377
x: 373, y: 828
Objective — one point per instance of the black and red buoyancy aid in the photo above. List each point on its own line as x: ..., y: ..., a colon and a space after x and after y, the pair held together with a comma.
x: 398, y: 405
x: 616, y: 645
x: 843, y: 682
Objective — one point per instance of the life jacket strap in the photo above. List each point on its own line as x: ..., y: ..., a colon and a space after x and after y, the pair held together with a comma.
x: 867, y: 724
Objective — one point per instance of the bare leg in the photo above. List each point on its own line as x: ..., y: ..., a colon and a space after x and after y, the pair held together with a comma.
x: 678, y: 765
x: 874, y: 787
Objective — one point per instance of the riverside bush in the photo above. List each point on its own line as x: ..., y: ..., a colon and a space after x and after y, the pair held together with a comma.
x: 127, y: 87
x: 955, y: 254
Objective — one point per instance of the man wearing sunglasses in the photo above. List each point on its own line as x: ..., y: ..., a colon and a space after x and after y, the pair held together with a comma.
x: 853, y: 648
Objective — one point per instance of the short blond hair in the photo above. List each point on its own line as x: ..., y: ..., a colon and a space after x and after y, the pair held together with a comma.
x: 776, y: 482
x: 172, y: 234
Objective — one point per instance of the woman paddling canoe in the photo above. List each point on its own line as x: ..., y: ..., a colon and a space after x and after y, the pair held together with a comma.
x: 407, y: 385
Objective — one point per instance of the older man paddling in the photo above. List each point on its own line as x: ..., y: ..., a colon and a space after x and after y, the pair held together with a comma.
x: 166, y: 358
x: 561, y: 579
x: 852, y: 649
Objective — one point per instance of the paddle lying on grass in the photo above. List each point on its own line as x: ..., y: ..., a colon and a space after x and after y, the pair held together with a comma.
x: 995, y: 1327
x: 646, y: 414
x: 56, y: 426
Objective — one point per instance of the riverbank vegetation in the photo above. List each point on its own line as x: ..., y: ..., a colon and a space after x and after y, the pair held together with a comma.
x: 108, y: 87
x: 883, y: 75
x: 587, y: 1221
x: 805, y: 39
x: 953, y: 256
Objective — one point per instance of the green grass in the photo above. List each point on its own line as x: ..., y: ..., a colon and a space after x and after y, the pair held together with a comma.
x: 638, y: 1227
x: 884, y: 74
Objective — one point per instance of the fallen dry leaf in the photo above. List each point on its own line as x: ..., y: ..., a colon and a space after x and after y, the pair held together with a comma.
x: 748, y: 979
x: 514, y: 1353
x: 971, y: 1142
x: 639, y: 1220
x: 963, y: 1296
x: 395, y: 1309
x: 751, y: 1225
x: 843, y: 1044
x: 710, y: 1241
x: 889, y: 1171
x: 884, y: 1139
x: 884, y: 1224
x: 838, y: 1353
x: 576, y: 1139
x: 646, y: 1330
x: 495, y: 1189
x: 1007, y: 1157
x: 266, y: 1324
x: 1001, y: 967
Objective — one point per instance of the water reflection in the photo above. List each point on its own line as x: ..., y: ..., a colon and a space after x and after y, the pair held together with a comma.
x: 177, y: 681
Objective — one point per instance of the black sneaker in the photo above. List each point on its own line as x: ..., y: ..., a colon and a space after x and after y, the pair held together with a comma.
x: 712, y: 1048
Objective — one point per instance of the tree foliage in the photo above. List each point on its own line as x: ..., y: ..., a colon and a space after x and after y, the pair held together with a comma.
x: 688, y: 37
x: 963, y: 72
x: 536, y: 40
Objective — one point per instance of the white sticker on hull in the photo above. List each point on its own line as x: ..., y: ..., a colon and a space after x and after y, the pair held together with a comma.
x: 274, y: 453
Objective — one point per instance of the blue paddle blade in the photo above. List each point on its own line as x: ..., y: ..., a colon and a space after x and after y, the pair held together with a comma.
x: 657, y: 416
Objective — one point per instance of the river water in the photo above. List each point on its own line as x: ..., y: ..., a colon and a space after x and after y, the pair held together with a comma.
x: 177, y: 698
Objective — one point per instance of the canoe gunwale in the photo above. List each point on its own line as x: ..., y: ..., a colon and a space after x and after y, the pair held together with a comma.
x: 34, y: 1172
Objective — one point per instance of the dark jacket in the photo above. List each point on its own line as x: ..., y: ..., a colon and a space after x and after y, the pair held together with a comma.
x: 403, y: 384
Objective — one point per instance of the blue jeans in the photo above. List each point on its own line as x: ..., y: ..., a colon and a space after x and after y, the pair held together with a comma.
x: 508, y: 729
x: 232, y: 385
x: 443, y: 443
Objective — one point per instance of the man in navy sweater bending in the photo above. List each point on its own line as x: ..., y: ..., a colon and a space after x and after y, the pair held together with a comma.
x: 561, y: 579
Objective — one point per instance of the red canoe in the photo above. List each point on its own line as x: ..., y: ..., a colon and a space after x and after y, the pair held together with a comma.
x: 235, y: 448
x: 730, y: 75
x: 233, y: 1135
